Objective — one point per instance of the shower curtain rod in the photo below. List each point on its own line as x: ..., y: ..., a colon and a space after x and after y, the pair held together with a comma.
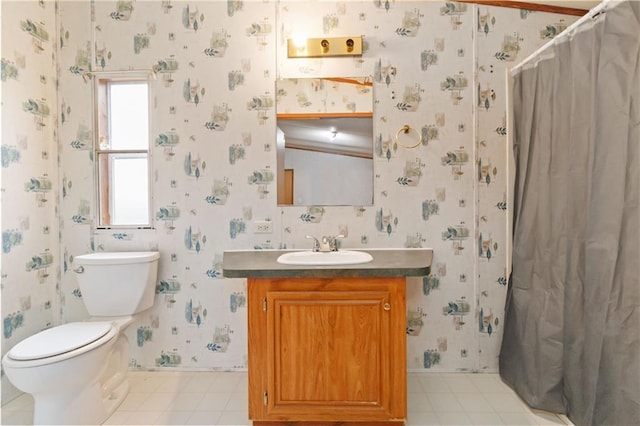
x: 592, y: 14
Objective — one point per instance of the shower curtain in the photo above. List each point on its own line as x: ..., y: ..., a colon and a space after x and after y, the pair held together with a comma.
x: 571, y: 339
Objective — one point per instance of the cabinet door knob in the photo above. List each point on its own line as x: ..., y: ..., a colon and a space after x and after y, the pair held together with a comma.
x: 387, y: 306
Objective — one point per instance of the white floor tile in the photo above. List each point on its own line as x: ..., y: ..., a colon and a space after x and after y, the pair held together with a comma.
x: 173, y: 418
x: 16, y: 417
x: 213, y: 402
x: 204, y: 418
x: 187, y: 401
x: 433, y: 383
x: 444, y: 402
x: 453, y: 418
x: 158, y: 401
x: 418, y: 402
x: 422, y: 419
x: 473, y: 402
x: 147, y: 383
x: 21, y: 403
x: 171, y: 398
x: 522, y: 418
x: 177, y: 383
x: 237, y: 402
x: 142, y: 417
x: 118, y: 418
x: 413, y: 384
x: 227, y: 383
x: 460, y: 383
x: 505, y: 402
x: 243, y: 385
x: 133, y: 401
x: 200, y: 383
x: 136, y: 377
x: 234, y: 418
x: 489, y: 383
x: 488, y: 418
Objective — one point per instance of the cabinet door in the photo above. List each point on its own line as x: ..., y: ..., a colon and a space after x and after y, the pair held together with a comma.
x: 332, y: 355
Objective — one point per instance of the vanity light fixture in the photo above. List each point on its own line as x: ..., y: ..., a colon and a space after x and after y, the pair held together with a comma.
x: 324, y: 47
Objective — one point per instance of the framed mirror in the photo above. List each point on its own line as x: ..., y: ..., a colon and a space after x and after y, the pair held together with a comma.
x: 325, y: 141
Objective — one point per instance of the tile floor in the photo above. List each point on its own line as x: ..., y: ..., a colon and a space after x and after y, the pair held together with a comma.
x: 212, y: 398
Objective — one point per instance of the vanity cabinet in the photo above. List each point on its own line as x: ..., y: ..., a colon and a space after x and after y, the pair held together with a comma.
x: 327, y: 350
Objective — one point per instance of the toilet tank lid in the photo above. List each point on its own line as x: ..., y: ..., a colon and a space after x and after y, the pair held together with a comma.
x: 116, y: 258
x: 58, y: 340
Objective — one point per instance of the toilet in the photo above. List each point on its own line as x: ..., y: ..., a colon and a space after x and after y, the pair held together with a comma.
x: 77, y: 372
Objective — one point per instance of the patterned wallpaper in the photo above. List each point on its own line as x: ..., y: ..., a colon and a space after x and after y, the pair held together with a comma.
x: 30, y: 247
x: 437, y: 67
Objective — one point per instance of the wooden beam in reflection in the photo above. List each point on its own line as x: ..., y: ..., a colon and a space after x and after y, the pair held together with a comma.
x: 319, y: 115
x: 530, y: 6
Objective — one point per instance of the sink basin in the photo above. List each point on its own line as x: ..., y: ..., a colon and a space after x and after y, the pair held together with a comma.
x: 311, y: 258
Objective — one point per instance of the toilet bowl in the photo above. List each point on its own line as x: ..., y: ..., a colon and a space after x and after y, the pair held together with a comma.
x: 64, y: 378
x: 76, y: 372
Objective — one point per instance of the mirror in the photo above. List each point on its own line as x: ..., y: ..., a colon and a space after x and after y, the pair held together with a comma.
x: 325, y: 141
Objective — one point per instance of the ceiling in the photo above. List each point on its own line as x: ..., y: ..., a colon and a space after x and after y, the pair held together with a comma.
x: 346, y: 136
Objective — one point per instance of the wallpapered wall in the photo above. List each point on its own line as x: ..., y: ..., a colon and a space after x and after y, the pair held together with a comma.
x: 29, y: 177
x: 438, y: 67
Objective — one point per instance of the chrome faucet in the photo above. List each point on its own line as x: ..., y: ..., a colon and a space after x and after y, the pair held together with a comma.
x: 326, y: 244
x: 316, y: 243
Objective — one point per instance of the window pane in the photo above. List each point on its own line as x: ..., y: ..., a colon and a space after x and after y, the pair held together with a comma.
x: 129, y: 116
x: 129, y: 192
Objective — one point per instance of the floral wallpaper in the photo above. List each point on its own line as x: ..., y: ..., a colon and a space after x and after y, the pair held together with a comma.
x: 436, y: 67
x: 29, y: 174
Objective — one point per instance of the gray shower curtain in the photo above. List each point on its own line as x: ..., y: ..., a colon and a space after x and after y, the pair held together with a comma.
x: 571, y: 339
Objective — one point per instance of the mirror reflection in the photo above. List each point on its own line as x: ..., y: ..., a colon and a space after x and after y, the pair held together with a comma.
x: 325, y: 141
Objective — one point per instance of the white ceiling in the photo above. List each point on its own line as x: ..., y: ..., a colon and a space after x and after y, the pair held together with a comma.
x: 347, y: 136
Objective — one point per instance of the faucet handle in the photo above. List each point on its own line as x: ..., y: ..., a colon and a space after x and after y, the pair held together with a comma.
x: 333, y: 242
x: 316, y: 243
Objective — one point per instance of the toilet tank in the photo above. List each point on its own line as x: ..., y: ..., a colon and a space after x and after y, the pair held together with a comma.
x: 117, y: 283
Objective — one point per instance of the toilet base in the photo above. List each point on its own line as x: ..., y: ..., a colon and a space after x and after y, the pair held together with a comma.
x: 88, y: 408
x: 115, y: 398
x: 94, y: 404
x: 84, y: 389
x: 85, y: 408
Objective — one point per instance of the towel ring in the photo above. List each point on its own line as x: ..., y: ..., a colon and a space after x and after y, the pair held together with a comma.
x: 406, y: 129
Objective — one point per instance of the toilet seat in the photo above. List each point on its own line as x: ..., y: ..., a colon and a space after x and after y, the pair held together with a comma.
x: 62, y: 342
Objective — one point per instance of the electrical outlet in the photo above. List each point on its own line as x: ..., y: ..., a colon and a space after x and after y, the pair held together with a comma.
x: 262, y: 227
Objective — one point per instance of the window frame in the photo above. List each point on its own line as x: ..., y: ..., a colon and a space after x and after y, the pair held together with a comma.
x: 103, y: 197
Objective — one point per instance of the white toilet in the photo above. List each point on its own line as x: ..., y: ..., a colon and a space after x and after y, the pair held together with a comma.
x: 76, y: 372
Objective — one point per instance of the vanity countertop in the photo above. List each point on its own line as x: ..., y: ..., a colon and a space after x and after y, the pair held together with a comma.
x: 385, y: 263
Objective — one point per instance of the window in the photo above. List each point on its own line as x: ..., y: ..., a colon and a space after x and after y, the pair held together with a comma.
x: 122, y: 150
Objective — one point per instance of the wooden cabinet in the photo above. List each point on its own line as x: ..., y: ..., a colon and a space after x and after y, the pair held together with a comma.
x: 327, y: 350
